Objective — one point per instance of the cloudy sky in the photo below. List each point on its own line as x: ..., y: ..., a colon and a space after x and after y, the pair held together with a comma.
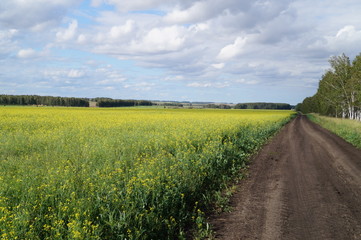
x: 193, y: 50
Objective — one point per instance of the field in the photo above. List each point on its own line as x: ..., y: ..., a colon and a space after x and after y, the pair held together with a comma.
x: 350, y: 130
x: 80, y: 173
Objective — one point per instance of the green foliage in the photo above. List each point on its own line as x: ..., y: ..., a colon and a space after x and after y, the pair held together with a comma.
x: 339, y: 91
x: 171, y: 104
x: 108, y: 102
x: 220, y: 106
x: 43, y: 100
x: 263, y: 105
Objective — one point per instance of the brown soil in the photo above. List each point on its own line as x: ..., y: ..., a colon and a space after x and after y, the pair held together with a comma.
x: 304, y: 184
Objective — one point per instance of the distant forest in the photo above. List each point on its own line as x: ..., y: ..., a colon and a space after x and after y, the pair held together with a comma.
x: 68, y: 101
x: 43, y: 100
x: 263, y: 105
x: 339, y: 90
x: 109, y: 102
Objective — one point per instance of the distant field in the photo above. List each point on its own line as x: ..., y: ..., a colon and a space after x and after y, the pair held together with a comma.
x: 92, y: 173
x: 348, y: 129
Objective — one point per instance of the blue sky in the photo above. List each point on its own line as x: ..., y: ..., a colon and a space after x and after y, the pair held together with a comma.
x: 199, y: 50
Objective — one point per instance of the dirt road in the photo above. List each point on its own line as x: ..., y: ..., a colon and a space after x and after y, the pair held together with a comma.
x: 304, y: 184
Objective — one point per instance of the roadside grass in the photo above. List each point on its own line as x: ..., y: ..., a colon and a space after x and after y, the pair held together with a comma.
x: 350, y: 130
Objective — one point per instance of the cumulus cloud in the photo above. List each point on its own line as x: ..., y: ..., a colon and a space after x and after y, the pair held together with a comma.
x: 232, y: 50
x: 109, y: 88
x: 108, y: 76
x: 81, y: 39
x: 209, y: 84
x: 121, y: 30
x: 198, y: 12
x: 7, y: 44
x: 138, y: 5
x: 142, y: 86
x: 27, y: 53
x: 195, y: 44
x: 68, y: 33
x: 243, y: 81
x: 160, y: 40
x: 166, y: 42
x: 218, y: 65
x: 347, y: 38
x: 76, y: 73
x: 35, y: 15
x: 208, y: 9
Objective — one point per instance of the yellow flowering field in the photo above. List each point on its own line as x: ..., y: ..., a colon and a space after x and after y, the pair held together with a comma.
x: 92, y: 173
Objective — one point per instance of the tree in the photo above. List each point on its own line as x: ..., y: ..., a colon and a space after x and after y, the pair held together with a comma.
x: 356, y: 85
x: 339, y: 91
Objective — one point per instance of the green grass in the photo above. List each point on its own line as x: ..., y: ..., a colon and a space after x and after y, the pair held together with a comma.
x: 350, y: 130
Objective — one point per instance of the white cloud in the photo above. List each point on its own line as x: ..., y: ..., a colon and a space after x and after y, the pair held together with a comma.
x: 76, y: 73
x: 107, y: 75
x: 27, y: 53
x: 173, y: 78
x: 199, y: 11
x: 221, y: 84
x: 160, y: 39
x: 69, y: 33
x: 344, y: 40
x: 199, y: 27
x: 204, y: 10
x: 208, y: 84
x: 142, y: 86
x: 110, y: 81
x: 63, y: 74
x: 218, y: 65
x: 347, y: 37
x: 34, y: 15
x: 136, y: 5
x: 121, y: 30
x: 96, y: 3
x: 232, y: 50
x: 32, y: 53
x: 206, y: 45
x: 243, y: 81
x: 7, y: 42
x: 346, y: 32
x: 82, y: 39
x: 109, y: 88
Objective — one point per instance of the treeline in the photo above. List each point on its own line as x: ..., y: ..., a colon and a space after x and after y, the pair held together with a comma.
x: 263, y: 105
x: 339, y: 90
x: 43, y: 100
x: 220, y: 106
x: 68, y: 101
x: 108, y: 102
x: 171, y: 104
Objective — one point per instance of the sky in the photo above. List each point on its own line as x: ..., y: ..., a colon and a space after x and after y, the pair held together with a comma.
x: 182, y: 50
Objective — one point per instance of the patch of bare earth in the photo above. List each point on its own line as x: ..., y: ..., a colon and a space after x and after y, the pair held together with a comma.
x: 304, y: 184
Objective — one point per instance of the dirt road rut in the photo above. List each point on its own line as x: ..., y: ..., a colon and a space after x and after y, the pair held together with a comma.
x: 304, y: 184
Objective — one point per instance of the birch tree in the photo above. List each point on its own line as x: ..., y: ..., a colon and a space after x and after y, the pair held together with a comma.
x: 339, y: 91
x: 356, y: 86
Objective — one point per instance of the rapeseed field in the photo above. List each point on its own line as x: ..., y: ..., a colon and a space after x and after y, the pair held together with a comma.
x: 81, y: 173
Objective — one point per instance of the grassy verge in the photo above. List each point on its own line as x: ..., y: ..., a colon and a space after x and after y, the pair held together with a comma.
x: 350, y: 130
